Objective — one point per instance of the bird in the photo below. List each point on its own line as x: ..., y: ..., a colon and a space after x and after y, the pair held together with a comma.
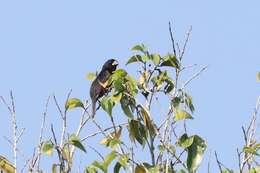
x: 98, y: 87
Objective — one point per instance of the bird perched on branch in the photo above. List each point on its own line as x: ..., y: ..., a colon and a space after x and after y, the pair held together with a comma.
x: 98, y: 87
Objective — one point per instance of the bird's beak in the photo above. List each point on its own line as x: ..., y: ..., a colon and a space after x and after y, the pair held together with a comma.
x: 115, y: 63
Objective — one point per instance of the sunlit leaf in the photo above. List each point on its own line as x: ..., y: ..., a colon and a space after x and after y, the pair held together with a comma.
x: 147, y: 121
x: 124, y: 160
x: 91, y: 169
x: 119, y: 73
x: 113, y: 139
x: 258, y: 76
x: 252, y: 149
x: 48, y: 148
x: 161, y: 148
x: 155, y: 169
x: 181, y: 171
x: 116, y: 98
x: 255, y: 170
x: 74, y: 140
x: 73, y: 103
x: 66, y: 154
x: 54, y: 168
x: 107, y: 105
x: 182, y: 114
x: 140, y: 48
x: 140, y: 169
x: 195, y: 153
x: 99, y: 165
x: 170, y: 60
x: 156, y: 59
x: 172, y: 149
x: 135, y: 58
x: 6, y: 166
x: 109, y: 158
x: 184, y: 141
x: 91, y: 76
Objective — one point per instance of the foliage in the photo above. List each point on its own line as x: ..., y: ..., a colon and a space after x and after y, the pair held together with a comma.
x: 145, y: 129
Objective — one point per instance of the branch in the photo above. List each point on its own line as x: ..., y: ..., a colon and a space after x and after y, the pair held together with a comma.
x: 14, y: 127
x: 172, y: 39
x: 194, y: 76
x: 186, y: 41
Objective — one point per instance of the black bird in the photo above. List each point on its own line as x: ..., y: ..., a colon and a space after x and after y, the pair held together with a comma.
x: 98, y: 87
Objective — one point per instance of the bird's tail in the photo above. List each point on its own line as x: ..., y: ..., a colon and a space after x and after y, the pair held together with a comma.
x: 93, y: 109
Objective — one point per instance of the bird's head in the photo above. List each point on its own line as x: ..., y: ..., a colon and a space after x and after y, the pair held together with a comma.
x: 110, y: 65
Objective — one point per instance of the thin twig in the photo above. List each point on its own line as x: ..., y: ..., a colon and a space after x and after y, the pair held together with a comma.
x: 172, y: 39
x: 41, y: 133
x: 194, y: 76
x: 186, y: 41
x: 218, y: 162
x: 104, y: 130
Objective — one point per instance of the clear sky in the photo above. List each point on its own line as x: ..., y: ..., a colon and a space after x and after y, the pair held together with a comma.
x: 48, y: 47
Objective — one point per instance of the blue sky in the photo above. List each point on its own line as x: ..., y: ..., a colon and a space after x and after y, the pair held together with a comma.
x: 48, y: 47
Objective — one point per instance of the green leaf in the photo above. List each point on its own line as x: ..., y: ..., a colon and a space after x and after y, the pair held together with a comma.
x: 109, y: 158
x: 252, y: 149
x: 169, y: 85
x: 91, y: 169
x: 155, y: 169
x: 148, y: 122
x: 172, y: 149
x: 54, y: 168
x: 140, y: 48
x: 140, y: 169
x: 107, y: 105
x: 131, y: 85
x: 176, y: 102
x: 195, y: 153
x: 48, y: 148
x: 66, y: 154
x: 138, y: 131
x: 181, y: 171
x: 182, y: 114
x: 255, y: 170
x: 91, y: 76
x: 170, y: 60
x: 6, y: 166
x: 116, y: 98
x: 156, y: 59
x: 117, y: 167
x: 135, y: 58
x: 99, y: 165
x: 258, y: 76
x: 188, y: 102
x: 126, y: 104
x: 184, y: 141
x: 119, y: 73
x: 73, y: 103
x: 161, y: 148
x: 74, y: 140
x: 124, y: 160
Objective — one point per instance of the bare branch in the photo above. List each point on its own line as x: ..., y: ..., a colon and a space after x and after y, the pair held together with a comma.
x: 186, y: 41
x: 172, y: 39
x: 194, y: 76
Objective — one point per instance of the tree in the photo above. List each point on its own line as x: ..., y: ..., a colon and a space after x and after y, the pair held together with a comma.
x: 156, y: 91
